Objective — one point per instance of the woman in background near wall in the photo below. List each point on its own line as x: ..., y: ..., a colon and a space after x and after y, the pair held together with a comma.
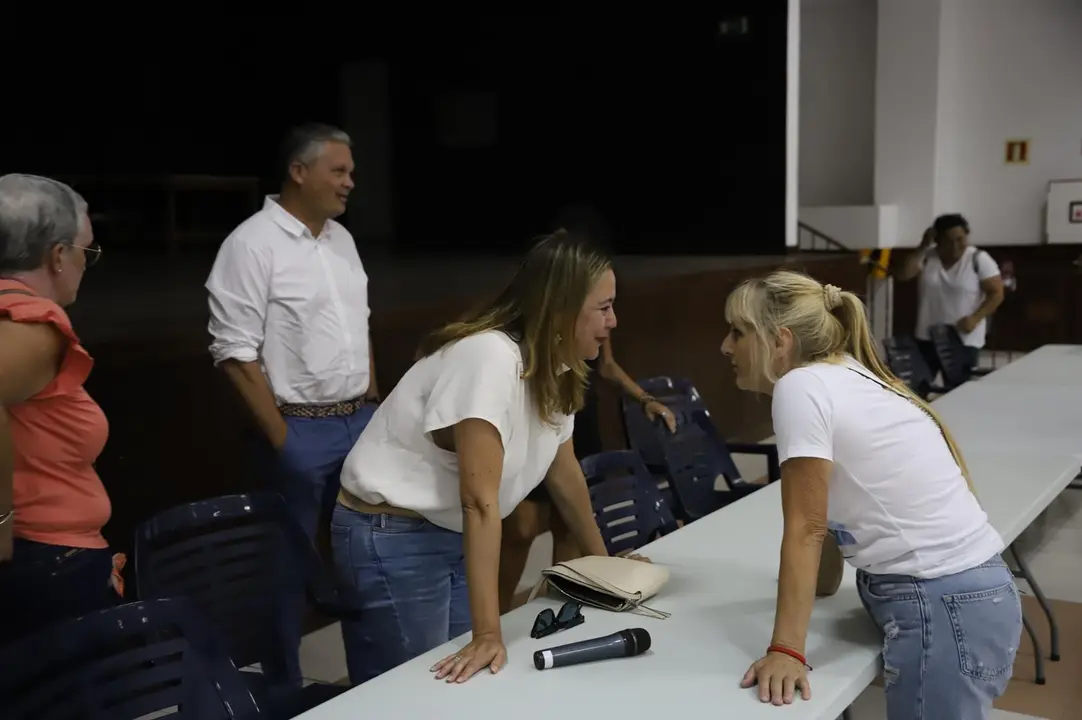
x: 958, y: 285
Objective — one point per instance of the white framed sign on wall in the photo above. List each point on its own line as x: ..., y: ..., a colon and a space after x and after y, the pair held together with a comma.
x: 1063, y: 215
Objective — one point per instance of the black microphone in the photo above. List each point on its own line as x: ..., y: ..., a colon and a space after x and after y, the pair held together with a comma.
x: 625, y: 643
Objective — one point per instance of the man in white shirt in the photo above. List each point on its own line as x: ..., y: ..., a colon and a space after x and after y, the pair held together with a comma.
x: 289, y: 320
x: 959, y: 285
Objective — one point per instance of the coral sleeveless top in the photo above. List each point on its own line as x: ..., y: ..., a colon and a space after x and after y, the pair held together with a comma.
x: 57, y: 434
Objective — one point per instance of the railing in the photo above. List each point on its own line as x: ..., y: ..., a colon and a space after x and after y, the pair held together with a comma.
x: 878, y: 294
x: 811, y: 240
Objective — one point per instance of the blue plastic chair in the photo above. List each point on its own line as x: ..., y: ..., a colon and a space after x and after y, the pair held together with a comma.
x: 663, y: 387
x: 695, y: 458
x: 240, y: 559
x: 905, y: 361
x: 701, y: 421
x: 123, y: 663
x: 679, y: 394
x: 949, y: 348
x: 628, y: 508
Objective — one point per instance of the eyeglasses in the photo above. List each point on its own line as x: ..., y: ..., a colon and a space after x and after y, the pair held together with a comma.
x: 91, y: 252
x: 549, y: 622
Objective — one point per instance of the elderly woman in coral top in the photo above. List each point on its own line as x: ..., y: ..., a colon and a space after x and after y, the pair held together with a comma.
x: 54, y: 562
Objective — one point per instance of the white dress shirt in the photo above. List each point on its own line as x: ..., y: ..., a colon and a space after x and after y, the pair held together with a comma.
x: 296, y: 303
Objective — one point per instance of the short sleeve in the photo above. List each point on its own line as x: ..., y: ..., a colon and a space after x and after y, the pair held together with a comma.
x: 986, y: 266
x: 803, y: 415
x: 76, y: 365
x: 479, y: 377
x: 567, y: 428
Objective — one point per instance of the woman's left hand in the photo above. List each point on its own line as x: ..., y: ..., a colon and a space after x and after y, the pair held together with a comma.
x: 779, y: 677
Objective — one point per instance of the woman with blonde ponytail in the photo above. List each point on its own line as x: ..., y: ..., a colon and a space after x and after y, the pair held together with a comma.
x: 870, y: 474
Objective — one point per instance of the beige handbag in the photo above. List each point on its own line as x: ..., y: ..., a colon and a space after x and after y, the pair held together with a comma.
x: 610, y: 583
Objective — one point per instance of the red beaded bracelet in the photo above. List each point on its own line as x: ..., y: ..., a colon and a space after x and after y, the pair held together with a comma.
x: 791, y: 653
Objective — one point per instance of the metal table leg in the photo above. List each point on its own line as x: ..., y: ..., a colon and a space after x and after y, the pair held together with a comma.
x: 1038, y: 652
x: 1024, y: 573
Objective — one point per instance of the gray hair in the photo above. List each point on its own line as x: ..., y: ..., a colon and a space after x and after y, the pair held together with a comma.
x: 36, y: 215
x: 305, y: 143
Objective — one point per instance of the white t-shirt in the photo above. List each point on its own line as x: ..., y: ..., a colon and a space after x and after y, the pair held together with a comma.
x: 898, y: 501
x: 949, y: 294
x: 395, y: 460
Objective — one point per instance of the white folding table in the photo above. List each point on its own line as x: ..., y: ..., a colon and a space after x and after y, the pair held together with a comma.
x: 722, y: 594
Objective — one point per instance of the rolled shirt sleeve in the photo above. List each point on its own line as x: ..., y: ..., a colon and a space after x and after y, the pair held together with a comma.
x: 238, y: 289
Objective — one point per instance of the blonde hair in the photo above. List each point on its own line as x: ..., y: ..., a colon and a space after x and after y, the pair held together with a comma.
x: 539, y: 309
x: 825, y: 323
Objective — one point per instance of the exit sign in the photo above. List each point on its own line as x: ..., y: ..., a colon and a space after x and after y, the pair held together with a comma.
x: 1016, y: 152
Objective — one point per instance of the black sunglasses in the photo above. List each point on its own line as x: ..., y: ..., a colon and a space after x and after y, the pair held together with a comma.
x: 548, y: 622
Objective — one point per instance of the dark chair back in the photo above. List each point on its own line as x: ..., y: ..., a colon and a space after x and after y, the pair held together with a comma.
x: 952, y: 355
x: 627, y: 506
x: 679, y: 394
x: 123, y: 663
x: 696, y: 460
x: 236, y: 558
x: 904, y: 360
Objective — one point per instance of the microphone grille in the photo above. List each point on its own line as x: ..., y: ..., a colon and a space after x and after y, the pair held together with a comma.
x: 640, y: 640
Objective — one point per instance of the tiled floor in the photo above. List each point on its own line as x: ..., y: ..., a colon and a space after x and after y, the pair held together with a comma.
x: 1052, y: 545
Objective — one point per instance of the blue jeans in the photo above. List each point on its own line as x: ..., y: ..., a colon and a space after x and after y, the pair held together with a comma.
x: 306, y: 471
x: 949, y: 643
x: 409, y: 577
x: 44, y: 584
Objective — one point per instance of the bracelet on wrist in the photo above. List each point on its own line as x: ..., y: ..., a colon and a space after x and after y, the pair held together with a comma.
x: 646, y: 399
x: 799, y: 657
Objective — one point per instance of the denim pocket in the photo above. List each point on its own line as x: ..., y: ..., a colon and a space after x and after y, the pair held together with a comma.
x: 987, y: 625
x: 890, y: 589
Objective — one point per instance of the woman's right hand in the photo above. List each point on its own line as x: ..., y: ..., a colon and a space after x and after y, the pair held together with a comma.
x: 929, y: 238
x: 483, y: 651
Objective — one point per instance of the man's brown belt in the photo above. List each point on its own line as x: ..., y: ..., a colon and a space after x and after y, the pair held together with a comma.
x: 338, y: 409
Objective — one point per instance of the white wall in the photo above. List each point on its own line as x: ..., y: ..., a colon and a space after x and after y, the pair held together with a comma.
x: 907, y: 56
x: 792, y: 124
x: 1009, y: 69
x: 953, y: 80
x: 837, y: 102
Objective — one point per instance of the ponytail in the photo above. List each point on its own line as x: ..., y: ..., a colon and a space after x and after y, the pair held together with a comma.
x: 859, y: 343
x: 825, y: 323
